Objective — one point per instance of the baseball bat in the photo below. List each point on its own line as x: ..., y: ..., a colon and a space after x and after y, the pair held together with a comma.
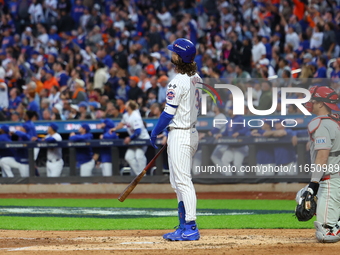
x: 137, y: 179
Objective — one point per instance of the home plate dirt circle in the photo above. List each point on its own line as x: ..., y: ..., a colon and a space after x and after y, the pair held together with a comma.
x: 269, y: 241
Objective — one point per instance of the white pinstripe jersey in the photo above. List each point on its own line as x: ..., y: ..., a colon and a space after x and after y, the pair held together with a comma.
x: 133, y: 122
x: 183, y: 92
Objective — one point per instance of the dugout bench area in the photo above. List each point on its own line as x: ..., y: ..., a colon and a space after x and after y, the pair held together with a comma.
x: 158, y: 175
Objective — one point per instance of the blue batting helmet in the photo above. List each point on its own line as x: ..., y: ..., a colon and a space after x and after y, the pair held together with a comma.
x: 185, y: 49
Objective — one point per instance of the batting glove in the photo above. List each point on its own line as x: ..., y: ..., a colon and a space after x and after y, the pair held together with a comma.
x: 153, y: 141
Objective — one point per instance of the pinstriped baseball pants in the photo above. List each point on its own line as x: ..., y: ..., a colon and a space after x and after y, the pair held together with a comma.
x: 182, y: 145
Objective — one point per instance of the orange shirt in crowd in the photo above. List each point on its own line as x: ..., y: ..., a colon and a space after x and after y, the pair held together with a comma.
x: 122, y: 109
x: 299, y: 9
x: 48, y: 84
x: 40, y: 86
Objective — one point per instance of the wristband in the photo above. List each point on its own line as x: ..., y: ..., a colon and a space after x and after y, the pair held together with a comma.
x: 314, y: 186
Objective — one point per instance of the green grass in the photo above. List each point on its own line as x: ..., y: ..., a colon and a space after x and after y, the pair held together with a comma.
x: 205, y: 222
x: 153, y: 203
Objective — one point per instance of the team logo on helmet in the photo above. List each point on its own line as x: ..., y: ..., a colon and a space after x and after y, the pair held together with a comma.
x: 178, y: 46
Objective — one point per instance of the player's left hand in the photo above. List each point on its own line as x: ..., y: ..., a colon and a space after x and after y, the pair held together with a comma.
x: 153, y: 141
x: 127, y: 140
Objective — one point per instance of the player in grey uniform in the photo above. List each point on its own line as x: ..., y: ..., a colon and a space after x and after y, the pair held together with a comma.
x: 325, y: 157
x: 182, y: 105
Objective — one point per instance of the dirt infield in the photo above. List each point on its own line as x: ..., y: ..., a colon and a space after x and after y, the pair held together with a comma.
x: 200, y: 195
x: 150, y: 242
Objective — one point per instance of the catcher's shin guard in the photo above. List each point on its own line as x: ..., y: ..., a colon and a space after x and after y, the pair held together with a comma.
x: 326, y: 234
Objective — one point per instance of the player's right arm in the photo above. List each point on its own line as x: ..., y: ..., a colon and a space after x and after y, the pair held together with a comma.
x: 119, y: 126
x: 23, y: 135
x: 109, y: 135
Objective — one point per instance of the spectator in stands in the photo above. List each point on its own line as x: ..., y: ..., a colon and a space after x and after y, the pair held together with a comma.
x: 83, y: 112
x: 58, y: 109
x: 60, y: 74
x: 84, y: 155
x: 321, y: 72
x: 154, y: 87
x: 145, y: 83
x: 163, y: 82
x: 14, y: 100
x: 54, y: 96
x: 32, y: 105
x: 112, y: 111
x: 100, y: 76
x: 3, y: 95
x: 258, y: 50
x: 265, y: 102
x: 123, y: 89
x: 74, y: 112
x: 317, y: 37
x: 79, y: 94
x: 135, y: 92
x: 241, y: 73
x: 50, y: 80
x: 46, y: 114
x: 134, y: 68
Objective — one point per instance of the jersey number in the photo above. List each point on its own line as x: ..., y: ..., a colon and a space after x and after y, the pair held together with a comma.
x: 198, y: 99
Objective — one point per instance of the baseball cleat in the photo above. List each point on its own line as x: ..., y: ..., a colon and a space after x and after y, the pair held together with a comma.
x: 325, y: 235
x: 187, y: 233
x: 178, y: 231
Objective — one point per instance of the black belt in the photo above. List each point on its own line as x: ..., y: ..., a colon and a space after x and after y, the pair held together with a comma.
x: 169, y: 128
x: 334, y: 154
x: 54, y: 161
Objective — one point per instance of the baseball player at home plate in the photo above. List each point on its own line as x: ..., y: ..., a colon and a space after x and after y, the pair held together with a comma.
x: 180, y: 113
x: 55, y: 163
x: 324, y: 131
x: 84, y: 155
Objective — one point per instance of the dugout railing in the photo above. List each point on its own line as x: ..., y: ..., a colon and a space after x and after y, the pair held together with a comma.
x: 206, y: 145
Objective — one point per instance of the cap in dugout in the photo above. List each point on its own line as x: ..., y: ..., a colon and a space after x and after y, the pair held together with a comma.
x: 54, y: 127
x: 86, y: 127
x: 5, y: 128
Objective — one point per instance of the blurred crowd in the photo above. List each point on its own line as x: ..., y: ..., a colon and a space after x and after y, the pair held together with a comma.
x: 84, y: 59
